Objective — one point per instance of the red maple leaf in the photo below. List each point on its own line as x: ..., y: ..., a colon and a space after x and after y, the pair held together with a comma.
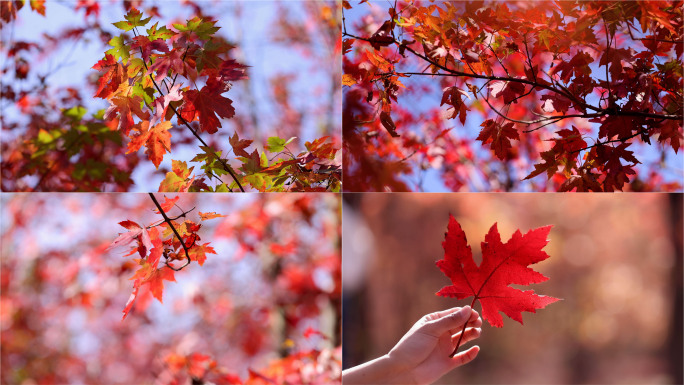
x: 146, y: 47
x: 199, y: 253
x: 111, y: 79
x: 168, y: 203
x: 207, y: 104
x: 172, y: 60
x: 500, y: 136
x: 239, y: 145
x: 156, y: 281
x: 157, y: 139
x: 502, y: 264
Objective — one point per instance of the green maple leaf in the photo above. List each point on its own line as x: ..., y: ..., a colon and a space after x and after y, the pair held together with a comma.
x: 203, y: 29
x: 120, y: 50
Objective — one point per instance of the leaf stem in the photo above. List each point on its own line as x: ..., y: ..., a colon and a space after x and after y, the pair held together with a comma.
x: 458, y: 344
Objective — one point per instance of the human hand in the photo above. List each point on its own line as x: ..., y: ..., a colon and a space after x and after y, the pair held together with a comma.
x: 422, y: 355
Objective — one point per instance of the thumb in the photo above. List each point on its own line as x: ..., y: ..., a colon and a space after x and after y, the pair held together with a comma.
x: 448, y: 322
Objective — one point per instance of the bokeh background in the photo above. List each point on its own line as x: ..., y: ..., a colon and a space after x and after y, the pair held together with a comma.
x: 275, y: 275
x: 615, y: 260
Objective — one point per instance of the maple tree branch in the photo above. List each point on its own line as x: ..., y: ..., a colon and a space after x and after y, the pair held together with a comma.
x: 563, y: 91
x: 185, y: 122
x: 623, y: 140
x: 553, y: 119
x: 599, y: 111
x: 182, y: 215
x: 175, y: 232
x: 456, y: 73
x: 611, y: 102
x: 629, y: 29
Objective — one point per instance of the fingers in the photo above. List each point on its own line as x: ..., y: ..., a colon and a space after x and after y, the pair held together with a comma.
x: 470, y: 334
x: 440, y: 314
x: 465, y: 357
x: 451, y: 319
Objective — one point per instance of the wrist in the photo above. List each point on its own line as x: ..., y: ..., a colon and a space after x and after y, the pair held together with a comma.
x: 401, y: 372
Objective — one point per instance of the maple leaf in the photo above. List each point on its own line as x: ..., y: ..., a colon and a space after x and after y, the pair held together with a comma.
x: 550, y: 165
x: 231, y: 70
x: 388, y: 123
x: 178, y: 179
x: 579, y: 65
x: 146, y: 46
x: 452, y: 97
x: 614, y: 57
x: 509, y: 90
x: 199, y: 252
x: 156, y: 281
x: 209, y: 55
x: 499, y: 136
x: 672, y: 131
x: 168, y: 203
x: 206, y: 104
x: 38, y: 6
x: 129, y: 303
x: 204, y: 29
x: 120, y: 50
x: 125, y: 106
x: 503, y: 264
x: 133, y: 19
x: 126, y: 238
x: 172, y: 60
x: 583, y: 182
x: 616, y: 173
x: 157, y: 140
x: 111, y: 79
x: 555, y: 102
x: 239, y: 145
x: 383, y: 36
x: 205, y: 216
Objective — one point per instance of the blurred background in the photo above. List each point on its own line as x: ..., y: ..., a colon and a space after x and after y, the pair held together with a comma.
x: 615, y: 260
x: 268, y: 301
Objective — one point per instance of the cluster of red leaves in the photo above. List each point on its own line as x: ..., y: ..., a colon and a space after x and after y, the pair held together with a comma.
x: 504, y: 58
x: 157, y: 240
x: 133, y: 75
x: 50, y: 141
x: 503, y: 264
x: 310, y: 367
x: 134, y: 71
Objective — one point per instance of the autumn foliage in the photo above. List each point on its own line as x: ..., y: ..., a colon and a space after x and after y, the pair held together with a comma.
x: 255, y: 300
x: 502, y: 96
x: 167, y: 86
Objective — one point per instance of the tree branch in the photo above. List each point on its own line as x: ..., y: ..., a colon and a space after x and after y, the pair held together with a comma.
x: 564, y: 92
x: 175, y: 232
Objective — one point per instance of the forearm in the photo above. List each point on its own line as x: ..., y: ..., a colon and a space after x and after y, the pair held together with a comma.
x: 381, y: 370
